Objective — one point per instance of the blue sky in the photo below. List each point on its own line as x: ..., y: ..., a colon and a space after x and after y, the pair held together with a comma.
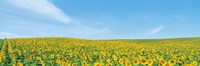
x: 100, y: 19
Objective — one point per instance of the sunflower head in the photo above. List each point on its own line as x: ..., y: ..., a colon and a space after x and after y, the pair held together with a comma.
x: 128, y: 64
x: 143, y: 61
x: 173, y: 62
x: 98, y: 64
x: 162, y: 62
x: 150, y: 62
x: 195, y: 63
x: 114, y: 57
x: 121, y: 61
x: 109, y: 62
x: 160, y: 58
x: 168, y: 64
x: 136, y: 62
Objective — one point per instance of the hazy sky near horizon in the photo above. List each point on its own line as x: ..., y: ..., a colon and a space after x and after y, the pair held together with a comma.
x: 100, y: 19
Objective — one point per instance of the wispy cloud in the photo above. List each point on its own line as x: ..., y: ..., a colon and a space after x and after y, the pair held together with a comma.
x: 8, y: 34
x: 155, y: 30
x: 95, y: 31
x: 28, y: 14
x: 42, y: 7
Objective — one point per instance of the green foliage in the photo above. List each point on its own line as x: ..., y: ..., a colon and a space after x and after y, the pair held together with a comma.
x: 66, y: 51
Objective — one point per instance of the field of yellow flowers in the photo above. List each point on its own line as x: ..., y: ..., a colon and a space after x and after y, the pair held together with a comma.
x: 82, y: 52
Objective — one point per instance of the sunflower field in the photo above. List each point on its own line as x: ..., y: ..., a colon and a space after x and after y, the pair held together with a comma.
x: 82, y: 52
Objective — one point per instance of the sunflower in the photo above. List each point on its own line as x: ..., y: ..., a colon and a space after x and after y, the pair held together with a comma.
x: 43, y: 63
x: 30, y: 56
x: 150, y: 62
x: 63, y: 63
x: 114, y: 57
x: 173, y: 62
x: 132, y: 56
x: 143, y: 61
x: 73, y: 64
x: 19, y: 64
x: 128, y: 64
x: 162, y: 62
x: 108, y: 65
x: 101, y: 61
x: 168, y: 64
x: 188, y: 65
x: 180, y: 60
x: 85, y: 63
x: 38, y: 58
x: 52, y: 55
x: 121, y: 61
x: 136, y: 62
x: 58, y: 61
x: 13, y: 65
x: 190, y: 57
x: 98, y: 64
x: 68, y: 62
x: 160, y: 58
x: 109, y: 62
x: 195, y: 63
x: 199, y: 58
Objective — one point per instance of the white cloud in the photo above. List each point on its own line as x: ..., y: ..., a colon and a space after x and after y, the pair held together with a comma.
x: 104, y: 30
x: 84, y: 30
x: 155, y: 30
x: 43, y: 7
x: 8, y: 34
x: 15, y: 16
